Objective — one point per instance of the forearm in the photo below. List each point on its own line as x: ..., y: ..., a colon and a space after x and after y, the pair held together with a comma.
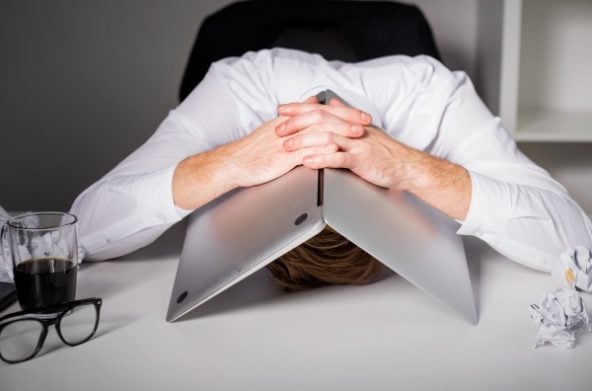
x: 201, y: 178
x: 441, y: 184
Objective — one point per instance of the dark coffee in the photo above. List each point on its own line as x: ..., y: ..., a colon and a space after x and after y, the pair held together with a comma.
x: 45, y: 281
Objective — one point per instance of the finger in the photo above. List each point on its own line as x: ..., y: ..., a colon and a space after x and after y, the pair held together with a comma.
x: 341, y: 128
x: 319, y: 120
x: 346, y: 113
x: 337, y: 159
x: 314, y: 151
x: 298, y: 108
x: 312, y: 100
x: 314, y: 139
x: 336, y: 102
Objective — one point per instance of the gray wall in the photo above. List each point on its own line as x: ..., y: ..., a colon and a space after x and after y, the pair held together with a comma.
x: 83, y: 83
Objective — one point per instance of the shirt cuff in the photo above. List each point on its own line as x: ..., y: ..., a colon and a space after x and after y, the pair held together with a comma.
x: 182, y: 213
x: 156, y: 202
x: 488, y: 208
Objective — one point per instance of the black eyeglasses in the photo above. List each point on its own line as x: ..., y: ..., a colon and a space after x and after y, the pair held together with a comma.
x: 23, y: 333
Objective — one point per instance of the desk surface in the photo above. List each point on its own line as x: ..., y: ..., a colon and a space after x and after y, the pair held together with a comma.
x: 384, y: 336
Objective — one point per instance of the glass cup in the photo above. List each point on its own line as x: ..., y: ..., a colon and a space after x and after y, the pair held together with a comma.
x: 41, y: 248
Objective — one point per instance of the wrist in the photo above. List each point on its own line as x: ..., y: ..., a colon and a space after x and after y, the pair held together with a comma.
x: 227, y: 167
x: 413, y: 170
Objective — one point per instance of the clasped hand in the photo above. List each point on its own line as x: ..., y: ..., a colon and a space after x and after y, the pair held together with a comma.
x: 325, y: 136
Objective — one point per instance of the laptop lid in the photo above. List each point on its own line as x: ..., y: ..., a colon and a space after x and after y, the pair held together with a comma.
x: 411, y: 238
x: 240, y: 233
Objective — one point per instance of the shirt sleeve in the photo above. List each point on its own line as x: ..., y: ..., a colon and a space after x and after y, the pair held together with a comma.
x: 516, y: 207
x: 132, y: 205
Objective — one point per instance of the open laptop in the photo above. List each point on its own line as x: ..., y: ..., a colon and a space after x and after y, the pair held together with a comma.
x: 241, y: 232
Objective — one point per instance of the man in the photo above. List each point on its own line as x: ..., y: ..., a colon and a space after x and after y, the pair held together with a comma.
x: 416, y: 127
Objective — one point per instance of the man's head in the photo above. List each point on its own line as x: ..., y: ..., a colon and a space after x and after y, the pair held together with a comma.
x: 326, y: 259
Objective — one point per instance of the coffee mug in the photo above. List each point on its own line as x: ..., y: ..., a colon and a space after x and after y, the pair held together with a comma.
x: 42, y: 250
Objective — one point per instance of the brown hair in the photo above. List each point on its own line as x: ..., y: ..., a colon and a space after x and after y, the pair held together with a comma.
x: 326, y: 259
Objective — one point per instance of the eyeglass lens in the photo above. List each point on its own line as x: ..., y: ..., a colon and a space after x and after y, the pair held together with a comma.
x: 19, y: 340
x: 78, y: 325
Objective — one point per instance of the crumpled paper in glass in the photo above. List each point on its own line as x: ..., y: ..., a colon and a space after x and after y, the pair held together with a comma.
x: 561, y: 316
x: 4, y: 274
x: 37, y: 248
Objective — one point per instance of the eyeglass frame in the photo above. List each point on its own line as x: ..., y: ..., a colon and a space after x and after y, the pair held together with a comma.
x: 42, y: 315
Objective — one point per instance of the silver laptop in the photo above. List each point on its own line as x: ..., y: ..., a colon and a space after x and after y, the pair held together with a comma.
x: 243, y: 231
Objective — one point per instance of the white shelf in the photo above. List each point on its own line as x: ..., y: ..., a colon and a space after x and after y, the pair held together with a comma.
x: 546, y: 64
x: 553, y: 126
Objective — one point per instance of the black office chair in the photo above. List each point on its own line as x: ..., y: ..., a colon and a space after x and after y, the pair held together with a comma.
x: 339, y: 30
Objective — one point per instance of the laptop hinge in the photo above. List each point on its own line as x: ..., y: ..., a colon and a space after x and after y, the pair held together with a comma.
x: 320, y: 187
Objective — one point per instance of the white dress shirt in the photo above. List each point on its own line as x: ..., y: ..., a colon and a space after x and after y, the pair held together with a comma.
x: 516, y: 207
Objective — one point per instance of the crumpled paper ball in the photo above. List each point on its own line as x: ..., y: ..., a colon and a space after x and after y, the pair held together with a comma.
x: 561, y: 315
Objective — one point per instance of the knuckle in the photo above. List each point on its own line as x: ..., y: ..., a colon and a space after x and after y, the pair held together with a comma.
x: 330, y: 147
x: 318, y: 115
x: 319, y: 150
x: 291, y: 143
x: 314, y: 128
x: 343, y: 159
x: 355, y: 129
x: 288, y: 124
x: 347, y: 112
x: 355, y: 115
x: 297, y: 141
x: 322, y: 160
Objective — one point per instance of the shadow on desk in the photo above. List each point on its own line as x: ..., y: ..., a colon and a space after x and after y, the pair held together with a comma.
x: 257, y: 289
x: 260, y: 290
x: 474, y: 249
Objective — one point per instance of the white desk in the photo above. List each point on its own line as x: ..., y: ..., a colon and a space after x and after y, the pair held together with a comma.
x: 384, y: 336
